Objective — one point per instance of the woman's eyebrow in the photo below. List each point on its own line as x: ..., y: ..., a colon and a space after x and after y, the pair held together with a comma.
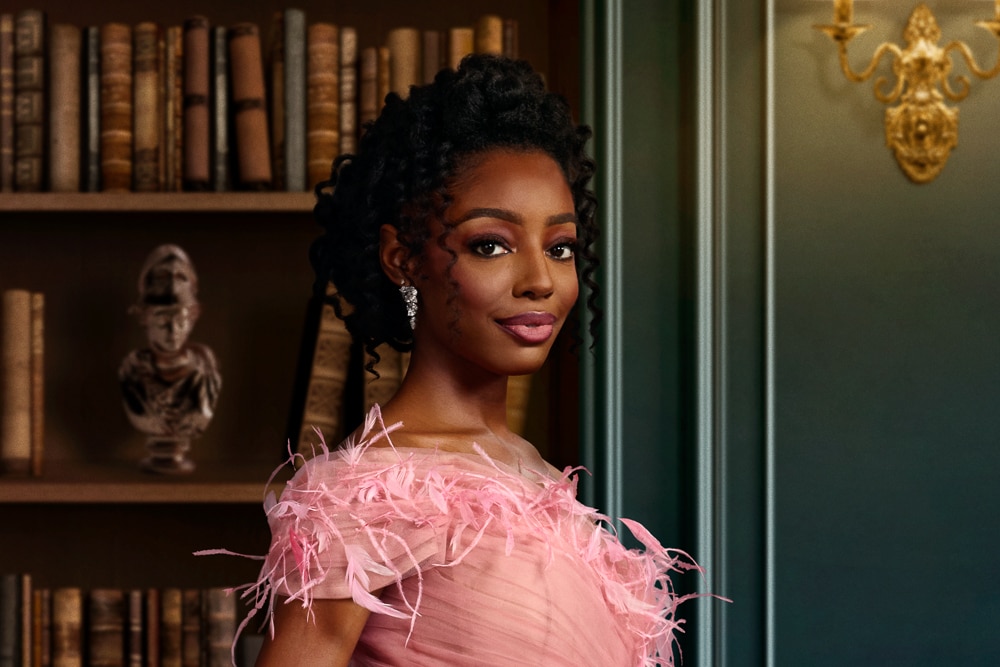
x: 510, y: 216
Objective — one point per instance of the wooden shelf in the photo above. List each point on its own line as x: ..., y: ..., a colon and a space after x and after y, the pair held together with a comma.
x: 181, y: 202
x: 115, y: 484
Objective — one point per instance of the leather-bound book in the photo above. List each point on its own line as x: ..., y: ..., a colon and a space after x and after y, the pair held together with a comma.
x: 461, y: 42
x: 65, y: 49
x: 171, y: 628
x: 348, y: 90
x: 433, y: 54
x: 294, y: 44
x: 249, y: 103
x: 511, y: 38
x: 116, y: 107
x: 368, y: 102
x: 15, y: 381
x: 152, y: 627
x: 30, y: 105
x: 173, y: 111
x: 197, y: 90
x: 384, y: 71
x: 106, y: 628
x: 404, y: 57
x: 191, y: 627
x: 323, y: 100
x: 147, y: 107
x: 67, y: 627
x: 134, y: 640
x: 91, y: 111
x: 489, y: 34
x: 36, y: 371
x: 221, y: 114
x: 6, y: 102
x: 219, y: 618
x: 276, y: 86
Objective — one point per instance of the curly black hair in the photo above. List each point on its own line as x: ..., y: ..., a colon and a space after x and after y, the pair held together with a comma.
x: 400, y: 174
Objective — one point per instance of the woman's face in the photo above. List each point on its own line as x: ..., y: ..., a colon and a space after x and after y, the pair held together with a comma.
x: 500, y: 289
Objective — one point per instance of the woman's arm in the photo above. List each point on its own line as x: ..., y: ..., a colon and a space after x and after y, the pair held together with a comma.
x: 326, y: 639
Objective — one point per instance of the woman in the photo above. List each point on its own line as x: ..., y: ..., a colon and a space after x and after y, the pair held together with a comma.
x: 434, y: 535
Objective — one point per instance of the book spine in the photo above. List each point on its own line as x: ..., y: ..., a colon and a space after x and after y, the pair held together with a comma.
x: 404, y: 56
x: 173, y: 108
x: 276, y: 86
x: 171, y: 627
x: 250, y: 107
x: 323, y: 100
x: 10, y: 620
x: 461, y: 42
x: 106, y: 631
x: 41, y: 616
x: 197, y: 88
x: 65, y: 50
x: 511, y: 38
x: 219, y: 609
x: 348, y: 90
x: 37, y: 373
x: 384, y: 70
x: 190, y: 627
x: 153, y: 627
x: 368, y: 102
x: 67, y: 627
x: 221, y: 177
x: 27, y: 624
x: 29, y: 100
x: 324, y: 403
x: 91, y: 100
x: 135, y: 645
x: 147, y: 107
x: 295, y: 99
x: 15, y: 376
x: 433, y: 54
x: 489, y: 34
x: 6, y: 102
x: 116, y: 107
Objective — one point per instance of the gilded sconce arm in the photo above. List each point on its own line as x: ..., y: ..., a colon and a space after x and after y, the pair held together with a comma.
x: 865, y: 74
x: 970, y: 61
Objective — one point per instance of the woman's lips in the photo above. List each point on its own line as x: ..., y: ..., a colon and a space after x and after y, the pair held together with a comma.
x: 531, y: 328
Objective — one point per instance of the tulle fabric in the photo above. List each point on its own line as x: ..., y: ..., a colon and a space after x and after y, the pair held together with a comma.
x: 481, y: 564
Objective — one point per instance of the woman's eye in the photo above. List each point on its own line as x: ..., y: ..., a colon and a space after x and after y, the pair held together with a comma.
x: 563, y: 251
x: 489, y: 248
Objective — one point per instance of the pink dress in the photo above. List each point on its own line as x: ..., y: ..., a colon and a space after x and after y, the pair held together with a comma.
x: 481, y: 564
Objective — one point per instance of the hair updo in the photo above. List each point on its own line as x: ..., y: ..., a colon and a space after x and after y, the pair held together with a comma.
x: 399, y: 176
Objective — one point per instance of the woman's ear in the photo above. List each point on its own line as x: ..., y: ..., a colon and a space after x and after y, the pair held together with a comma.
x: 394, y: 255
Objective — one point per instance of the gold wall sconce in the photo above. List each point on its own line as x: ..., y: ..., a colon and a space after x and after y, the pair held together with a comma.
x: 921, y: 130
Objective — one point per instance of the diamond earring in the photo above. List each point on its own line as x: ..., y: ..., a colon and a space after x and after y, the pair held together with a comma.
x: 409, y: 293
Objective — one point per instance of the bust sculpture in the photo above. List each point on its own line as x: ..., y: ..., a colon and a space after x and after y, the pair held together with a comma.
x: 170, y: 387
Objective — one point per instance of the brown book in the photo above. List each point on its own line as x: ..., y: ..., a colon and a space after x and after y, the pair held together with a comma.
x: 461, y: 42
x: 384, y: 69
x: 171, y: 612
x: 511, y: 38
x: 91, y: 107
x: 152, y: 627
x: 368, y: 102
x: 134, y: 641
x: 294, y: 41
x: 65, y: 49
x: 404, y: 58
x: 434, y: 52
x: 37, y: 372
x: 253, y: 151
x: 323, y: 106
x: 173, y: 112
x: 30, y: 105
x: 15, y: 381
x: 324, y: 403
x: 6, y: 102
x: 190, y: 627
x: 489, y: 34
x: 221, y: 173
x: 41, y: 630
x: 106, y: 628
x: 116, y: 107
x: 67, y: 627
x: 219, y: 618
x: 147, y: 109
x: 197, y: 90
x: 276, y: 85
x: 27, y: 624
x: 348, y: 90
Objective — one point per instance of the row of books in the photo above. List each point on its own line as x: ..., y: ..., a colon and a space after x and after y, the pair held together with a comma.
x: 22, y: 403
x: 111, y: 627
x: 198, y: 106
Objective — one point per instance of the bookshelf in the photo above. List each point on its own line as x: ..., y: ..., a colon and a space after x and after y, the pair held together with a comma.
x: 93, y: 519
